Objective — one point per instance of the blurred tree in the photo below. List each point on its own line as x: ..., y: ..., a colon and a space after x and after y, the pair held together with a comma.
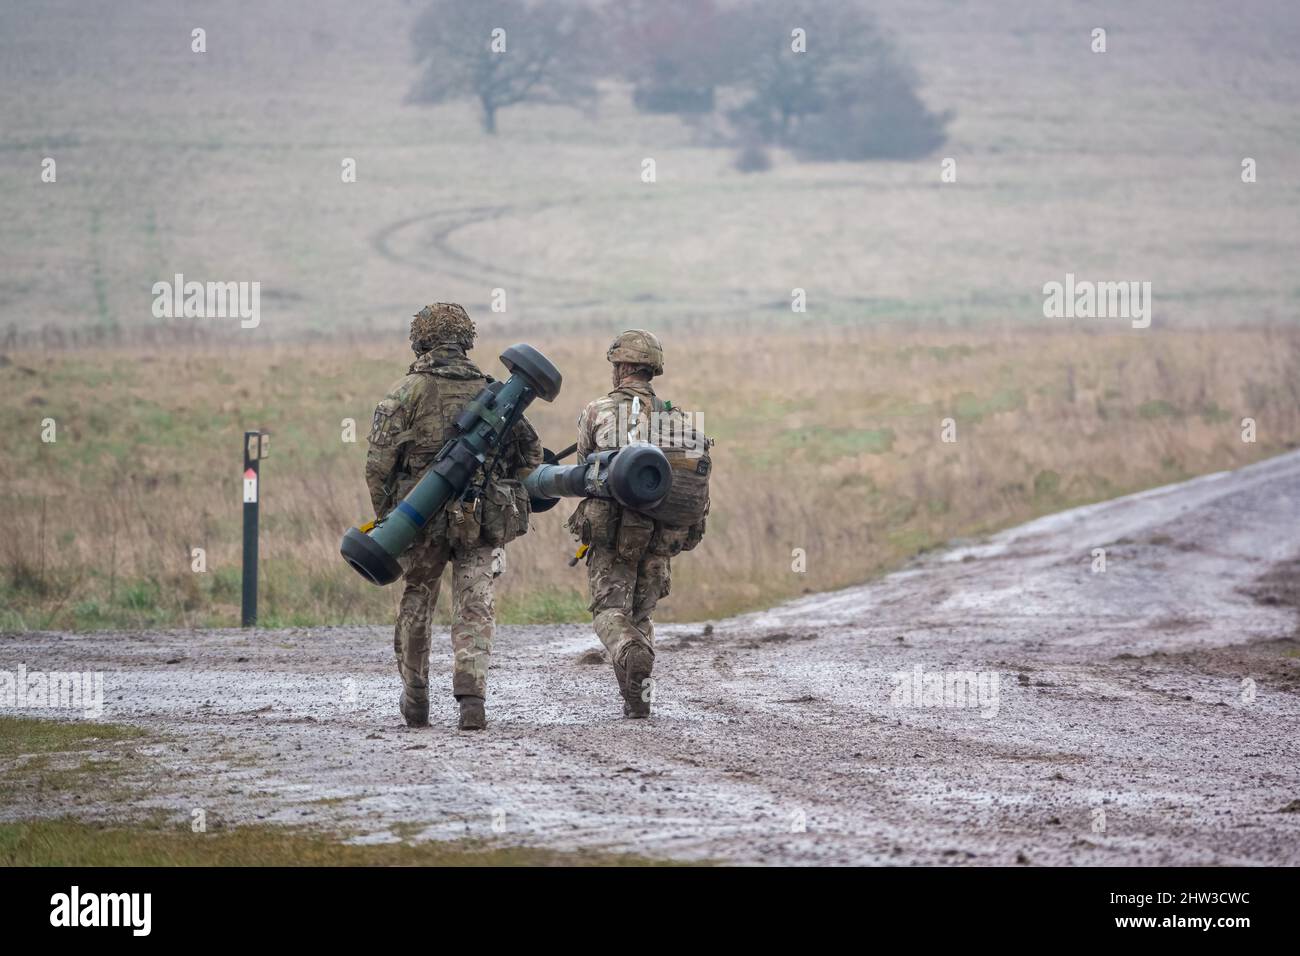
x: 671, y: 51
x: 502, y: 52
x: 819, y: 79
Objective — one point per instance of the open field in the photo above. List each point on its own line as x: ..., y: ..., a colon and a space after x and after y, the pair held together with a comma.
x: 226, y: 166
x: 828, y: 442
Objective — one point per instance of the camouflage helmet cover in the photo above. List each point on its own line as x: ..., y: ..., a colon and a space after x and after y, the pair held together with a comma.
x: 638, y: 347
x: 439, y: 324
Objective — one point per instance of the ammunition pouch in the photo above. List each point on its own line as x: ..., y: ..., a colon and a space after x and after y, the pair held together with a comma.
x: 504, y: 511
x: 464, y: 528
x: 668, y: 542
x: 634, y: 534
x: 694, y: 534
x: 596, y: 522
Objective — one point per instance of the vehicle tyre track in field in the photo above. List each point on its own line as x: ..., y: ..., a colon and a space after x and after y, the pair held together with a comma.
x: 434, y: 253
x: 391, y: 242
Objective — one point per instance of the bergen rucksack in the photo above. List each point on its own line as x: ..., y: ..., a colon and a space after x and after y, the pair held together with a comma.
x: 678, y: 435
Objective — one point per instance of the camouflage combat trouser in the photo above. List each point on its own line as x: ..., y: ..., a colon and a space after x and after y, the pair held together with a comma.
x: 624, y: 592
x: 474, y: 571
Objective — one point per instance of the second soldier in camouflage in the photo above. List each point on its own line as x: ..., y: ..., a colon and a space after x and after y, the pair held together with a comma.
x: 629, y: 553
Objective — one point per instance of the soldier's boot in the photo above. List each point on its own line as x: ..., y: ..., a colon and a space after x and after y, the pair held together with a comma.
x: 620, y: 674
x: 414, y: 705
x: 472, y: 716
x: 633, y: 680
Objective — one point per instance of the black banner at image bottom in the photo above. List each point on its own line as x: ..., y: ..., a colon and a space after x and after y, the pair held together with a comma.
x: 1217, y: 905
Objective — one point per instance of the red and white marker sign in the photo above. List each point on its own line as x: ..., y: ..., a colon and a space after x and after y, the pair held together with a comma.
x: 250, y: 487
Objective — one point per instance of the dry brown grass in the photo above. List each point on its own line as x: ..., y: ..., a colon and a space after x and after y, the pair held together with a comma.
x: 827, y: 441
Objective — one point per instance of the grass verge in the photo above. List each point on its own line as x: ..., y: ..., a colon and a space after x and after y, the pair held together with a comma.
x: 58, y: 763
x: 68, y: 842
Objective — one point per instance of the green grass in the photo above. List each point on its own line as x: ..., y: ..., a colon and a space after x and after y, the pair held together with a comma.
x: 824, y: 444
x: 51, y: 761
x: 1211, y: 414
x: 549, y: 606
x: 68, y: 842
x: 1157, y: 408
x: 24, y: 735
x: 967, y: 407
x: 1047, y: 485
x: 290, y: 595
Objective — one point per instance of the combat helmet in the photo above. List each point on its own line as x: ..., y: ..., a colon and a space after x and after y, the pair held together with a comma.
x: 638, y: 347
x: 439, y: 324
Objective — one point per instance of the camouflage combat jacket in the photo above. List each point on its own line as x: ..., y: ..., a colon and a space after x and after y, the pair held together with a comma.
x: 416, y: 418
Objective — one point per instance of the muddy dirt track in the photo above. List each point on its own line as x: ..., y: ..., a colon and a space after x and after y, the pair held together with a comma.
x: 1147, y: 714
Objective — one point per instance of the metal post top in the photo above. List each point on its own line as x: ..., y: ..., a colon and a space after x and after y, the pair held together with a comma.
x: 257, y: 445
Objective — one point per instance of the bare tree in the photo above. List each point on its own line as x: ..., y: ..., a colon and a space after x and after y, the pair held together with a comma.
x: 501, y: 52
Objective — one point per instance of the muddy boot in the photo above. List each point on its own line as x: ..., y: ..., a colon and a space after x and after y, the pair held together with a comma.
x: 633, y: 681
x: 471, y: 713
x: 620, y: 674
x: 414, y: 705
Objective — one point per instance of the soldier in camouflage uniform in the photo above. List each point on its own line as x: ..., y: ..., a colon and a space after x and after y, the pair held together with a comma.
x: 410, y: 426
x: 628, y: 553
